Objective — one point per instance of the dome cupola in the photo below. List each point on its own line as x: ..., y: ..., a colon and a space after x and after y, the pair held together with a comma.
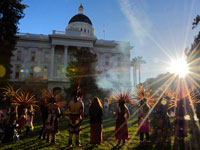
x: 81, y: 22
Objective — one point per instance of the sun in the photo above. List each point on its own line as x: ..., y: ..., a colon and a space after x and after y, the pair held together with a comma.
x: 179, y: 67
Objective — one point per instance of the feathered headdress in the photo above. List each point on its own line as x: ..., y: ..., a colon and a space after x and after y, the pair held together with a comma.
x: 24, y: 100
x: 123, y: 96
x: 48, y: 96
x: 144, y: 93
x: 9, y: 92
x: 183, y: 93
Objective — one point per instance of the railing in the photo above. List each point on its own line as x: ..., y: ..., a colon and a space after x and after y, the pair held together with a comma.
x: 31, y: 35
x: 58, y: 79
x: 58, y: 32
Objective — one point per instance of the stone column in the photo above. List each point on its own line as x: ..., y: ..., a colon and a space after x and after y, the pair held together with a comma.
x: 52, y: 61
x: 65, y: 58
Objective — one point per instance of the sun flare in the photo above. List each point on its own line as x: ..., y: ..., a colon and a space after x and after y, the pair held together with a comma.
x: 179, y: 67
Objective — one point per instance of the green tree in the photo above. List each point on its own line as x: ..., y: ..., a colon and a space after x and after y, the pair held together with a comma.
x: 193, y: 56
x: 82, y: 66
x: 11, y: 11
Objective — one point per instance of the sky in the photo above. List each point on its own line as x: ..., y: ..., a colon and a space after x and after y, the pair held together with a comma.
x: 158, y: 30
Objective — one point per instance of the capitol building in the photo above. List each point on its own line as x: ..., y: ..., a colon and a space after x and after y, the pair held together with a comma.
x: 41, y: 60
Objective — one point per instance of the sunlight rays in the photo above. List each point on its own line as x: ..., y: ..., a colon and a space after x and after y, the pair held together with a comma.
x: 180, y: 69
x: 189, y: 22
x: 162, y: 78
x: 168, y: 82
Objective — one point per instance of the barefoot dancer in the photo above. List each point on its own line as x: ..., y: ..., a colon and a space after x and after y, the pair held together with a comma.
x: 76, y: 110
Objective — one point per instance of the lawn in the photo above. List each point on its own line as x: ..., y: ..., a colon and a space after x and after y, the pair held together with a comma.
x: 32, y: 142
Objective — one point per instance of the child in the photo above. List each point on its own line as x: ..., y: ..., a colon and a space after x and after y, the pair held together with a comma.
x: 144, y: 128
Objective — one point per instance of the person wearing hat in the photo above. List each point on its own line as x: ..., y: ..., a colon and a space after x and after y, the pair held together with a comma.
x: 122, y: 113
x: 121, y: 126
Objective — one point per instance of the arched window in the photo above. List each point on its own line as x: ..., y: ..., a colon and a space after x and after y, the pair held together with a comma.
x: 81, y: 29
x: 85, y: 30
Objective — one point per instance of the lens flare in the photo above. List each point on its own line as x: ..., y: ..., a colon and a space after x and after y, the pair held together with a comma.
x: 163, y: 101
x: 2, y: 71
x: 179, y: 67
x: 37, y: 69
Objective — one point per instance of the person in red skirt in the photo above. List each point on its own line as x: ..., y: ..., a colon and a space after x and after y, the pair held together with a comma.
x: 121, y: 126
x: 96, y: 112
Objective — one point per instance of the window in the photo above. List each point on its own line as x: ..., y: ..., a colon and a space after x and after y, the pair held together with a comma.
x: 45, y: 73
x: 46, y: 56
x: 58, y: 71
x: 31, y: 75
x: 19, y: 53
x: 32, y: 56
x: 107, y: 63
x: 85, y: 30
x: 59, y: 59
x: 88, y: 31
x: 81, y: 29
x: 31, y: 72
x: 17, y: 69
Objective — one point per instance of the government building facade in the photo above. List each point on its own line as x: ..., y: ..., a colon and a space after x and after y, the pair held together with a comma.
x: 41, y: 60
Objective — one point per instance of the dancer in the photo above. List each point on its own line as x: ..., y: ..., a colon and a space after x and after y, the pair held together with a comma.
x: 76, y: 110
x: 122, y: 114
x: 51, y: 126
x: 121, y: 126
x: 96, y: 112
x: 143, y: 94
x: 180, y: 123
x: 11, y: 134
x: 50, y: 98
x: 143, y: 123
x: 29, y: 120
x: 22, y: 120
x: 44, y: 113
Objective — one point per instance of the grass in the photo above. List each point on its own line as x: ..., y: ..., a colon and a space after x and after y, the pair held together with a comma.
x: 32, y: 142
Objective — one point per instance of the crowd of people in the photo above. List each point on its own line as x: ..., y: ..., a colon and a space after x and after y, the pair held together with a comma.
x: 19, y: 120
